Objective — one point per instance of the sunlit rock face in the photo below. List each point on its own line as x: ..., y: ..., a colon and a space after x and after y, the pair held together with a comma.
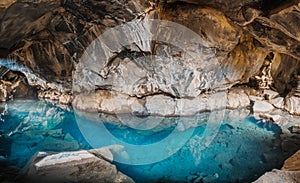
x: 240, y: 34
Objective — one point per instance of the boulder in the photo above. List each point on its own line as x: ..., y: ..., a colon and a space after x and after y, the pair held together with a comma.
x: 237, y: 98
x: 290, y: 172
x: 277, y: 102
x: 279, y: 176
x: 292, y: 104
x: 292, y: 163
x: 270, y: 94
x: 78, y: 166
x: 262, y: 107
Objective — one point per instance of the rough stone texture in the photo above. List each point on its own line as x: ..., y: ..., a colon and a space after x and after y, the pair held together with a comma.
x: 237, y: 98
x: 290, y: 172
x: 49, y: 41
x: 293, y: 163
x: 283, y: 73
x: 162, y: 105
x: 240, y: 33
x: 270, y: 94
x: 262, y: 107
x: 292, y: 104
x: 278, y: 102
x: 279, y: 176
x: 78, y: 166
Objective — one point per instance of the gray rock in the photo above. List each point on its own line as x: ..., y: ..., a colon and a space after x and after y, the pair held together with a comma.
x: 277, y: 102
x: 292, y: 104
x: 237, y: 98
x: 160, y: 105
x: 278, y: 176
x: 262, y: 107
x: 78, y: 166
x: 290, y: 172
x: 270, y: 94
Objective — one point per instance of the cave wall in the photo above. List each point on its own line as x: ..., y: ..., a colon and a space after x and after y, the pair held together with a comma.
x: 49, y: 37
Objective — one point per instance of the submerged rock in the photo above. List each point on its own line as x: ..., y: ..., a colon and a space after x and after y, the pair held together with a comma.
x: 78, y: 166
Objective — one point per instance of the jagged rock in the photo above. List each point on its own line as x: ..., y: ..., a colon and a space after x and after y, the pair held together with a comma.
x: 292, y: 163
x: 295, y: 129
x: 55, y: 95
x: 270, y: 94
x: 237, y: 98
x: 254, y: 98
x: 292, y: 104
x: 279, y: 176
x: 282, y: 73
x: 52, y: 40
x: 160, y: 105
x: 262, y: 107
x: 278, y: 102
x: 109, y: 102
x: 78, y: 166
x: 290, y: 172
x: 18, y: 89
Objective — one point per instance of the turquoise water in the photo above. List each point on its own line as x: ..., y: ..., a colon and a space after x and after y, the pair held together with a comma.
x: 185, y: 149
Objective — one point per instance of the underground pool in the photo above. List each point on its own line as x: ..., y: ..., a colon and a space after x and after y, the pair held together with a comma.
x: 198, y: 148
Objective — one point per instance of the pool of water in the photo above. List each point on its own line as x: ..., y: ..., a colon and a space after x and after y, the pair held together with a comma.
x: 199, y: 148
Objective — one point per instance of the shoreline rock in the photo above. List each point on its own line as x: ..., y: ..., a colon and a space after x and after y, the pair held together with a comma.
x: 290, y: 172
x: 77, y: 166
x: 112, y: 102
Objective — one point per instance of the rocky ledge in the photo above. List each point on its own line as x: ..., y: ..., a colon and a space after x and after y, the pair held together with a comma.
x: 78, y: 166
x: 290, y: 172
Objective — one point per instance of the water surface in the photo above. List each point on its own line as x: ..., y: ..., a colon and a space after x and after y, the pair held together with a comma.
x: 185, y: 149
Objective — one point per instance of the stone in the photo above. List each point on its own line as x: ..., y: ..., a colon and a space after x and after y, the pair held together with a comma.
x: 160, y: 105
x: 254, y: 98
x: 270, y: 94
x: 77, y: 166
x: 279, y: 176
x: 65, y: 99
x: 290, y: 172
x: 282, y: 73
x: 191, y: 106
x: 295, y: 129
x: 262, y: 107
x: 278, y: 102
x: 292, y: 104
x: 275, y: 118
x: 237, y: 99
x: 109, y: 102
x: 292, y: 163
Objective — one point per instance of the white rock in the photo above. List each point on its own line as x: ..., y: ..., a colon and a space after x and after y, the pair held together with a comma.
x: 292, y: 105
x: 77, y: 166
x: 270, y: 94
x: 190, y: 106
x: 237, y: 99
x: 277, y: 102
x: 160, y: 105
x: 262, y: 106
x: 255, y: 98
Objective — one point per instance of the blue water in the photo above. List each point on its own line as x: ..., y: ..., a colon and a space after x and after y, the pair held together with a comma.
x: 236, y: 150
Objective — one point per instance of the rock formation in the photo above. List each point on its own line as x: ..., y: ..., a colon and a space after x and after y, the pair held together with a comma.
x: 77, y: 166
x: 243, y: 35
x: 290, y: 171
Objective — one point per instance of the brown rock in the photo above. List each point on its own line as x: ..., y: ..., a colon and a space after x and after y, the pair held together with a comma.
x: 292, y: 163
